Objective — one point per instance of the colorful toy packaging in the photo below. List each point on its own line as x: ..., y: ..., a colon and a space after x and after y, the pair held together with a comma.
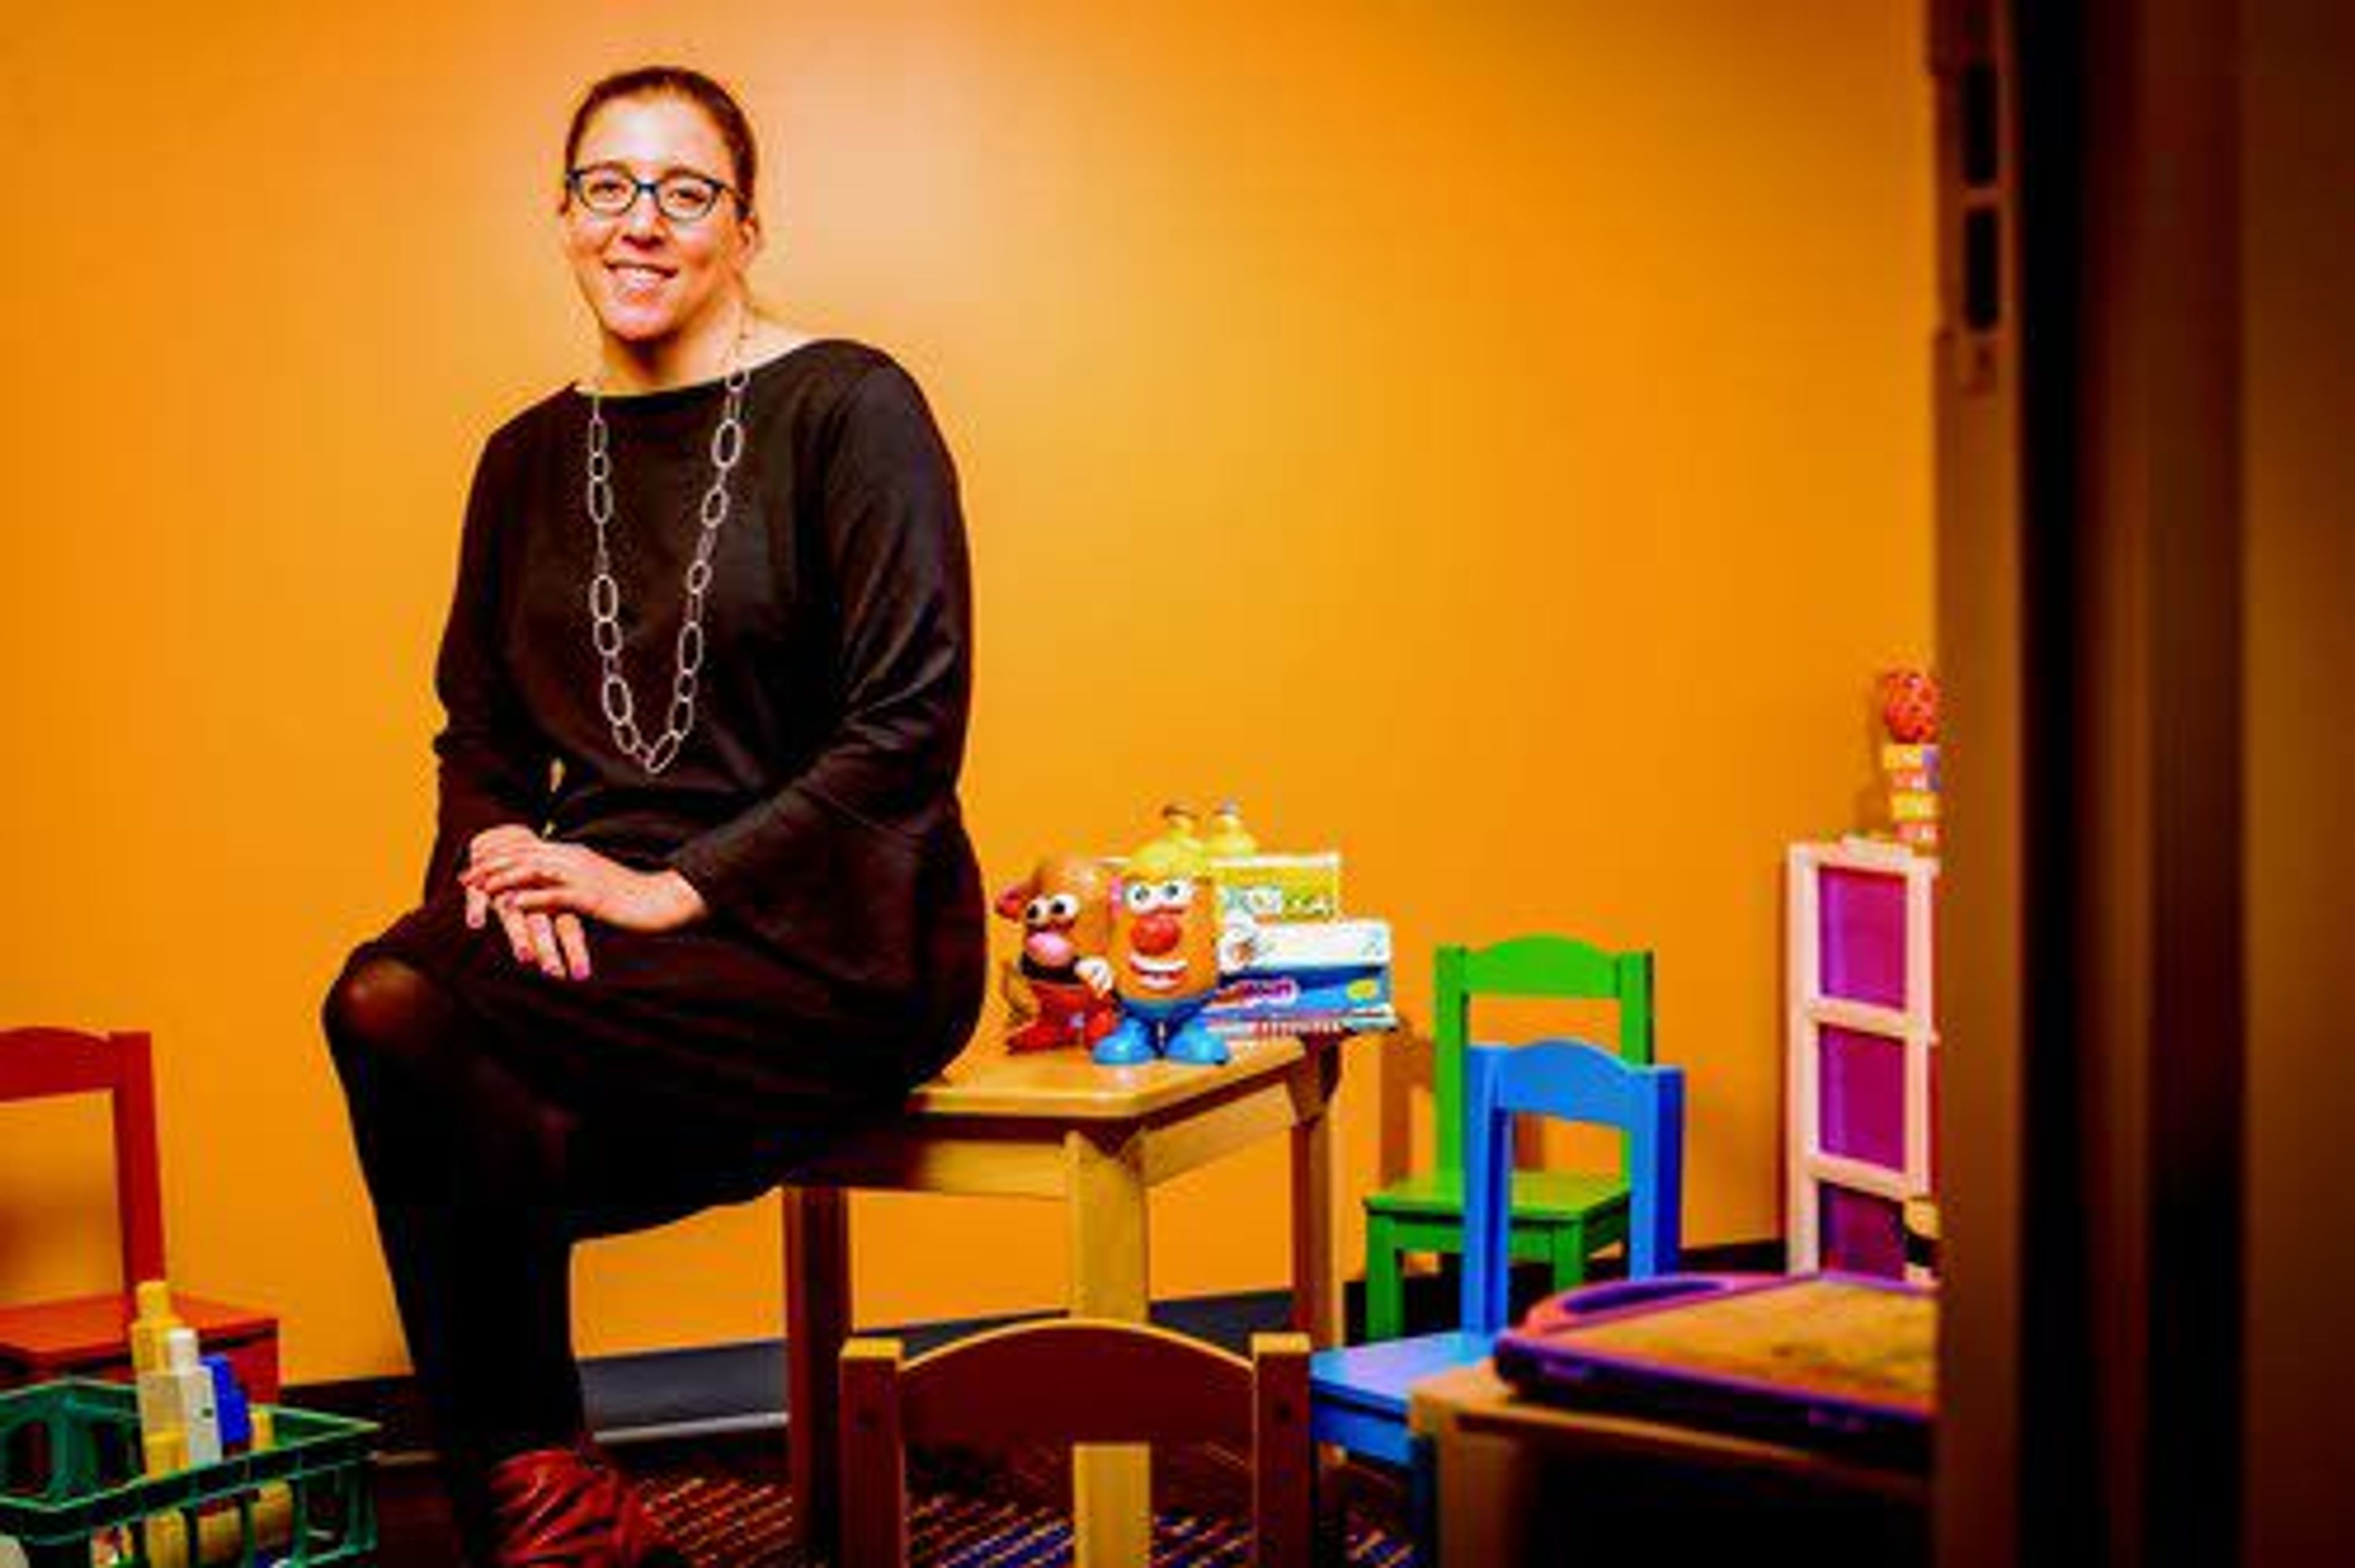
x: 1194, y: 939
x: 1318, y: 976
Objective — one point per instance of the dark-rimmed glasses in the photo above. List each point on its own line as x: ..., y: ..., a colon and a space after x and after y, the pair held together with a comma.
x: 609, y: 190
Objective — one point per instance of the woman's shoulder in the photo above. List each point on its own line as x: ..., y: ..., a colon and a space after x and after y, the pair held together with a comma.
x: 535, y: 421
x: 837, y: 367
x: 838, y: 385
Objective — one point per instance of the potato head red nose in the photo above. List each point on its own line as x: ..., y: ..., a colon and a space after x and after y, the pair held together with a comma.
x: 1157, y: 933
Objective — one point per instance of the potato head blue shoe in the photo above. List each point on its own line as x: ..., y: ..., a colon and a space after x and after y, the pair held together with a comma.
x: 1195, y: 1045
x: 1126, y: 1046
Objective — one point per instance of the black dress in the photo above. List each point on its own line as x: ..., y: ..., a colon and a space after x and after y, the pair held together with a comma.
x: 500, y: 1115
x: 813, y: 804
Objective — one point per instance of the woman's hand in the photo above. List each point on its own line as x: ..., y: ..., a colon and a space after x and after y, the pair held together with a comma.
x: 538, y: 878
x: 556, y: 945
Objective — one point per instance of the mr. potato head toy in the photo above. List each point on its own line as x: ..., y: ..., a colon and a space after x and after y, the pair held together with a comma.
x: 1059, y: 992
x: 1170, y: 943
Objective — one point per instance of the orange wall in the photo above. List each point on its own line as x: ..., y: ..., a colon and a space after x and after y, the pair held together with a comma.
x: 1492, y: 439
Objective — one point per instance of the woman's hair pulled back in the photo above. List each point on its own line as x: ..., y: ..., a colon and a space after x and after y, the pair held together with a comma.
x: 720, y: 105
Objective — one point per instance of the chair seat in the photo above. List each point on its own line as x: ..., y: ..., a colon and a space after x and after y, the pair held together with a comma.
x: 1359, y: 1391
x: 1539, y: 1197
x: 88, y: 1336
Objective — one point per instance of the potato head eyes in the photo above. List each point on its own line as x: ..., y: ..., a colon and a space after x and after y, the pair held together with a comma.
x: 1144, y: 897
x: 1051, y: 909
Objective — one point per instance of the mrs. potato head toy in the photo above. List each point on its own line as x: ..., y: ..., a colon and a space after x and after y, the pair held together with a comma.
x: 1059, y: 992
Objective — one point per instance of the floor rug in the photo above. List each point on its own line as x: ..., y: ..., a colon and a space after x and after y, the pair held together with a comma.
x: 730, y: 1522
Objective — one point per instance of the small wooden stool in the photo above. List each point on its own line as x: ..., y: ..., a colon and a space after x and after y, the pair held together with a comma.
x: 88, y: 1336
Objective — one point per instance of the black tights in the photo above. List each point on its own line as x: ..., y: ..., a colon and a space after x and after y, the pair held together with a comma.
x: 466, y: 1165
x: 482, y: 1184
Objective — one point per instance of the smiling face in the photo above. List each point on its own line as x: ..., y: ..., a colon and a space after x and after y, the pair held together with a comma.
x: 661, y: 288
x: 1164, y: 938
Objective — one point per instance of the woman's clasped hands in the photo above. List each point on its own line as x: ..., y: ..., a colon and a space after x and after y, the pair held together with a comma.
x: 543, y: 892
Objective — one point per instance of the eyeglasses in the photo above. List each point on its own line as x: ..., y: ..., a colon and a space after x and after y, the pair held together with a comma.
x: 609, y: 190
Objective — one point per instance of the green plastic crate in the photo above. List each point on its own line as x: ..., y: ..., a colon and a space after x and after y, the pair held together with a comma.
x: 69, y: 1473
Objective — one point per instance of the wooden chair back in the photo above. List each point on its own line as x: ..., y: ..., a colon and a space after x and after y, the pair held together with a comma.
x: 1075, y: 1380
x: 1560, y: 968
x: 44, y: 1063
x: 1574, y: 1081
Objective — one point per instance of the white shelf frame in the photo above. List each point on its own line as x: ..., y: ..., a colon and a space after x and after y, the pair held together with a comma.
x: 1810, y: 1167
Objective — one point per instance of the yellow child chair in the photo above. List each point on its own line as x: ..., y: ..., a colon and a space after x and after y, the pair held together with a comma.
x: 1559, y: 1217
x: 1076, y: 1380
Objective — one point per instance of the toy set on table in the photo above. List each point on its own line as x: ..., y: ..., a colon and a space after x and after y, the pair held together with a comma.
x: 1190, y: 940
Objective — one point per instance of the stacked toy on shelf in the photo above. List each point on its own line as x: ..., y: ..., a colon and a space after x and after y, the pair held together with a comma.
x: 1908, y: 758
x: 1190, y: 940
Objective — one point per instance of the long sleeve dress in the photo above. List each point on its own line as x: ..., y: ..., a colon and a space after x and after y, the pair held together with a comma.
x: 813, y: 804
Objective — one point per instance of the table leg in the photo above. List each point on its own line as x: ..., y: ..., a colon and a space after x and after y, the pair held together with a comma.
x: 1316, y: 1287
x: 1112, y: 1483
x: 817, y: 1320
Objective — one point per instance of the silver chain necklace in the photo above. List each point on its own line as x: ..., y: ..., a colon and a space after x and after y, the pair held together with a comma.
x: 605, y: 591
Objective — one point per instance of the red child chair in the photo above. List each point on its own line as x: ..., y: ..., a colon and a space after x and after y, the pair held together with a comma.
x: 88, y: 1336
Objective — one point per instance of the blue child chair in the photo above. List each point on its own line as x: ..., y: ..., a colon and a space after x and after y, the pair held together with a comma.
x: 1358, y: 1393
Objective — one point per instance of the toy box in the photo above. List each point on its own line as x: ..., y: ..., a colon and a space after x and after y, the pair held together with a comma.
x: 1821, y: 1361
x: 1323, y: 975
x: 1320, y: 944
x: 1274, y: 889
x: 1289, y: 994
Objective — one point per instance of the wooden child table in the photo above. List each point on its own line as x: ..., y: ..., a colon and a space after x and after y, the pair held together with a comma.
x: 1055, y: 1126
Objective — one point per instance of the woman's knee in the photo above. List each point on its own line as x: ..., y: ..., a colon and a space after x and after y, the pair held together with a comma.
x: 381, y: 1009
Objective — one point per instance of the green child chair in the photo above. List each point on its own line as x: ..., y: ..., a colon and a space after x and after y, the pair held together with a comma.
x: 1559, y: 1217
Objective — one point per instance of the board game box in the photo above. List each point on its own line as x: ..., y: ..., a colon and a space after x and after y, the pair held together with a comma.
x: 1838, y: 1363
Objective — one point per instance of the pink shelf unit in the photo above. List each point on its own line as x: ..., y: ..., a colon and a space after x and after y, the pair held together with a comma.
x: 1863, y: 1036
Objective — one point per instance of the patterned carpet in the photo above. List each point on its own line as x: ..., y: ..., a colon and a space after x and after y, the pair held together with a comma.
x: 967, y: 1516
